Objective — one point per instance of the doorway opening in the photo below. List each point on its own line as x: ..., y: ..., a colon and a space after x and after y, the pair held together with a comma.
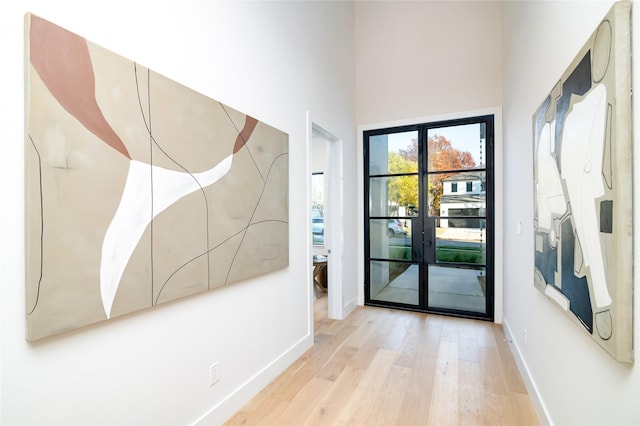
x: 326, y: 217
x: 429, y: 217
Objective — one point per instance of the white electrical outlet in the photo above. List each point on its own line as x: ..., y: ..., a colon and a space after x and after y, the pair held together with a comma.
x: 214, y: 373
x: 525, y: 336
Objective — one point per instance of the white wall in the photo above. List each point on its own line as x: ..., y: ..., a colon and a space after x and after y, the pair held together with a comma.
x: 577, y: 381
x: 417, y: 59
x: 274, y: 61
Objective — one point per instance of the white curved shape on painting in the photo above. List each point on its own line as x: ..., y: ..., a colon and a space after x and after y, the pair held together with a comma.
x: 581, y: 164
x: 135, y: 213
x: 555, y: 295
x: 551, y: 201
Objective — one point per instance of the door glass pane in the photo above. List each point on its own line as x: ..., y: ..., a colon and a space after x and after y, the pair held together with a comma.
x: 394, y: 282
x: 389, y: 239
x: 393, y: 196
x: 456, y: 147
x: 458, y: 288
x: 448, y: 194
x: 393, y: 153
x: 461, y: 245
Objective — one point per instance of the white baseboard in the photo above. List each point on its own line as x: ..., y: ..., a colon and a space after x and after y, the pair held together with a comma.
x: 536, y: 399
x: 229, y: 405
x: 349, y: 307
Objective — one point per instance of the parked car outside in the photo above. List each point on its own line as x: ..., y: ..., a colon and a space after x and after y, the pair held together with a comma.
x: 395, y: 227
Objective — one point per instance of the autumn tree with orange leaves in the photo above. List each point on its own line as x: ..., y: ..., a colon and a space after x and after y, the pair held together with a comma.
x: 441, y: 157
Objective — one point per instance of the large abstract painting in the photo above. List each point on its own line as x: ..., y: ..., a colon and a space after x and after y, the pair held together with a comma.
x: 583, y: 187
x: 139, y: 190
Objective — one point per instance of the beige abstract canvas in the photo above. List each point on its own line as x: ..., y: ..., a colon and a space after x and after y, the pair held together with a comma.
x: 139, y: 190
x: 583, y: 195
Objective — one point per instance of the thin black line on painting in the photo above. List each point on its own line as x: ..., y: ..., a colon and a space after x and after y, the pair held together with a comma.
x: 35, y: 305
x: 211, y: 250
x: 151, y: 180
x: 226, y: 280
x: 232, y: 236
x: 155, y: 142
x: 246, y: 146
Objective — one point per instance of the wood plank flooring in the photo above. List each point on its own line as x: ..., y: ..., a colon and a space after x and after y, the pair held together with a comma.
x: 387, y: 367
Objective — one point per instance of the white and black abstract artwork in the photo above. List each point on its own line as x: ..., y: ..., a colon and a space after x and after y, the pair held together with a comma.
x: 583, y: 188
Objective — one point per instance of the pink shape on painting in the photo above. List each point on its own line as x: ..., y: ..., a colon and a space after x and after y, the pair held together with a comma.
x: 245, y: 134
x: 62, y: 60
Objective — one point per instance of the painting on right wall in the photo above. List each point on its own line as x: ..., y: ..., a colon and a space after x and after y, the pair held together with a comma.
x: 583, y: 188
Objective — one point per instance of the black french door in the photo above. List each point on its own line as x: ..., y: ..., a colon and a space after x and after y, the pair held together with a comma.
x: 429, y: 233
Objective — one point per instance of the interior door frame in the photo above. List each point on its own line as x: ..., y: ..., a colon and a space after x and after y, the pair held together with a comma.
x: 498, y: 190
x: 334, y: 226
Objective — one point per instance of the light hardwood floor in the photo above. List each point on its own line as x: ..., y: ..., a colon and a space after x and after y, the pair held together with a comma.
x: 388, y: 367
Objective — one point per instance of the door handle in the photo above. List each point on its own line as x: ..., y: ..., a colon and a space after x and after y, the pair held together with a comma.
x: 417, y: 239
x: 430, y: 236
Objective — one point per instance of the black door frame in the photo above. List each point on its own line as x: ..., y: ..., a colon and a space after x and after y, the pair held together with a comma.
x: 423, y: 223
